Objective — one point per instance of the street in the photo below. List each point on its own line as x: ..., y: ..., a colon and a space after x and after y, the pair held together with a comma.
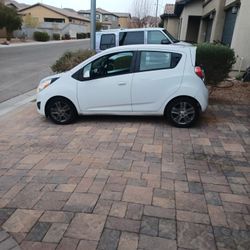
x: 21, y: 68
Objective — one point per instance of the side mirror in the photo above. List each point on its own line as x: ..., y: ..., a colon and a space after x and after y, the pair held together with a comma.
x: 165, y: 41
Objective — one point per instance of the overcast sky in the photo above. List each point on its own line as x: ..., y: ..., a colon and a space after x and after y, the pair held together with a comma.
x: 110, y: 5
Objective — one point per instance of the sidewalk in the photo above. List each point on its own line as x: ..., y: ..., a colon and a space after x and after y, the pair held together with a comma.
x: 40, y: 43
x: 16, y: 102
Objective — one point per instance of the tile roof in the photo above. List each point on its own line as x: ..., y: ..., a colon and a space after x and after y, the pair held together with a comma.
x: 169, y: 9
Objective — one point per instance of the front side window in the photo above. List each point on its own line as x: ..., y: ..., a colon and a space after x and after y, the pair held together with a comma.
x: 131, y: 37
x: 107, y: 41
x: 156, y: 37
x: 115, y: 64
x: 152, y: 60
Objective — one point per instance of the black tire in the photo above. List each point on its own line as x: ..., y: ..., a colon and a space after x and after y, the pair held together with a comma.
x: 61, y: 111
x: 183, y: 112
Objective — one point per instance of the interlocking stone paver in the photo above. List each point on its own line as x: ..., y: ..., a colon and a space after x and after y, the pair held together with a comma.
x: 159, y: 212
x: 134, y: 211
x: 224, y: 238
x: 22, y: 220
x: 109, y: 240
x: 38, y: 231
x: 140, y: 195
x: 217, y: 215
x: 192, y: 217
x: 149, y: 226
x: 148, y: 243
x: 68, y: 243
x: 167, y: 229
x: 195, y: 236
x: 191, y: 202
x: 128, y: 241
x: 121, y: 224
x: 86, y: 226
x: 87, y: 245
x: 56, y: 216
x: 80, y: 202
x: 38, y: 245
x: 55, y: 232
x: 118, y: 209
x: 128, y: 183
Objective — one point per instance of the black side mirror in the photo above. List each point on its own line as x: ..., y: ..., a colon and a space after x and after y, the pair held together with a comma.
x: 165, y: 41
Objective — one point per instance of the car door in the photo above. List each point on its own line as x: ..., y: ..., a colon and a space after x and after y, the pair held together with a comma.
x: 105, y: 86
x: 158, y: 76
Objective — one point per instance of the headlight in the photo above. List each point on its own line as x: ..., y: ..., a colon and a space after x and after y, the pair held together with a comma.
x: 44, y: 84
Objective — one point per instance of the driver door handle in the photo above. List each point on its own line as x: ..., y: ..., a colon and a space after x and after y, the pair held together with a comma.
x: 121, y: 84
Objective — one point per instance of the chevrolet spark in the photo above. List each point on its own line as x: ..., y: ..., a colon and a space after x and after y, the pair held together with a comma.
x: 128, y: 80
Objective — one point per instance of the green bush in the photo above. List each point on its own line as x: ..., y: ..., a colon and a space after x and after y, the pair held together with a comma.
x: 81, y: 36
x: 41, y: 36
x: 70, y: 59
x: 56, y: 36
x: 217, y: 61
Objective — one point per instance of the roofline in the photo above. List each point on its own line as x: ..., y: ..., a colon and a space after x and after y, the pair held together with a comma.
x: 47, y: 7
x: 88, y: 12
x: 179, y: 6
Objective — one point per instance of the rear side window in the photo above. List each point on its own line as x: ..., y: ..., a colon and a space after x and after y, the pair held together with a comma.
x: 156, y: 37
x: 154, y: 60
x: 133, y: 37
x: 107, y: 41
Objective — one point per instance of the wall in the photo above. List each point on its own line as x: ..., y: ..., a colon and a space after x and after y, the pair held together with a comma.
x: 171, y: 24
x: 192, y: 9
x: 241, y: 37
x: 124, y: 22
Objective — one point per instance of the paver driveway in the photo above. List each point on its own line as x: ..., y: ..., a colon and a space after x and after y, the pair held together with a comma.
x: 126, y: 183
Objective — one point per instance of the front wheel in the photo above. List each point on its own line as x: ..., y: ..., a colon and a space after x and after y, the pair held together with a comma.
x: 183, y: 112
x: 61, y: 111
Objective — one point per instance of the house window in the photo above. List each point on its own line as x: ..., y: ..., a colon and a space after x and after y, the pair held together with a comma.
x: 98, y: 17
x: 106, y: 18
x: 54, y: 20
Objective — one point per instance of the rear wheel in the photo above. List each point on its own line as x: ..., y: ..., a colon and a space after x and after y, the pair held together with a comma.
x: 183, y: 112
x: 61, y: 111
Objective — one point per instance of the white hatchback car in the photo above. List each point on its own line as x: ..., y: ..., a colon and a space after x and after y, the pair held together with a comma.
x: 128, y: 80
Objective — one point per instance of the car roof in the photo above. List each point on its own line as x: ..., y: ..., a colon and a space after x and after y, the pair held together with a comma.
x: 174, y: 47
x: 126, y: 30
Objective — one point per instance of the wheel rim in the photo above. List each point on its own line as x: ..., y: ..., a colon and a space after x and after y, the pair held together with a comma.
x: 60, y: 111
x: 183, y: 113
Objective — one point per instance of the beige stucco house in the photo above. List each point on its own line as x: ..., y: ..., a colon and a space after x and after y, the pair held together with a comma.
x: 224, y: 21
x: 47, y: 18
x: 124, y: 19
x: 108, y: 19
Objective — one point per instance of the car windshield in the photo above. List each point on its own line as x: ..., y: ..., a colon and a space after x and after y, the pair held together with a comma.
x: 170, y: 36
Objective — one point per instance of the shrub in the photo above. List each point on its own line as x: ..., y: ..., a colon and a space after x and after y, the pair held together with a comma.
x: 66, y: 37
x: 81, y: 36
x: 70, y: 59
x: 56, y: 36
x: 41, y: 36
x: 88, y: 35
x: 217, y: 61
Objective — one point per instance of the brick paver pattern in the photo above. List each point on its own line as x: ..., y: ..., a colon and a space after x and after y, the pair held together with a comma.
x: 125, y: 183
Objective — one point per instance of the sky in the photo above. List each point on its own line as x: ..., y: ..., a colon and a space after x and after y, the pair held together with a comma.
x: 109, y: 5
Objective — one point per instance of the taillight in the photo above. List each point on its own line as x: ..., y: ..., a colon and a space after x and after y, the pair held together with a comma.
x: 199, y: 72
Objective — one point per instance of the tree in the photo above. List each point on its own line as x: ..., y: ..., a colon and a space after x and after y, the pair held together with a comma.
x: 98, y: 26
x: 141, y: 10
x: 9, y: 19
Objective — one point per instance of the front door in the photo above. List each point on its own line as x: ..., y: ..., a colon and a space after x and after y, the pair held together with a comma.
x: 106, y: 84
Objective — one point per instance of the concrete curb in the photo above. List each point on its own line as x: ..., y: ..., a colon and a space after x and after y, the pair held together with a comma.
x: 41, y: 43
x: 14, y: 103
